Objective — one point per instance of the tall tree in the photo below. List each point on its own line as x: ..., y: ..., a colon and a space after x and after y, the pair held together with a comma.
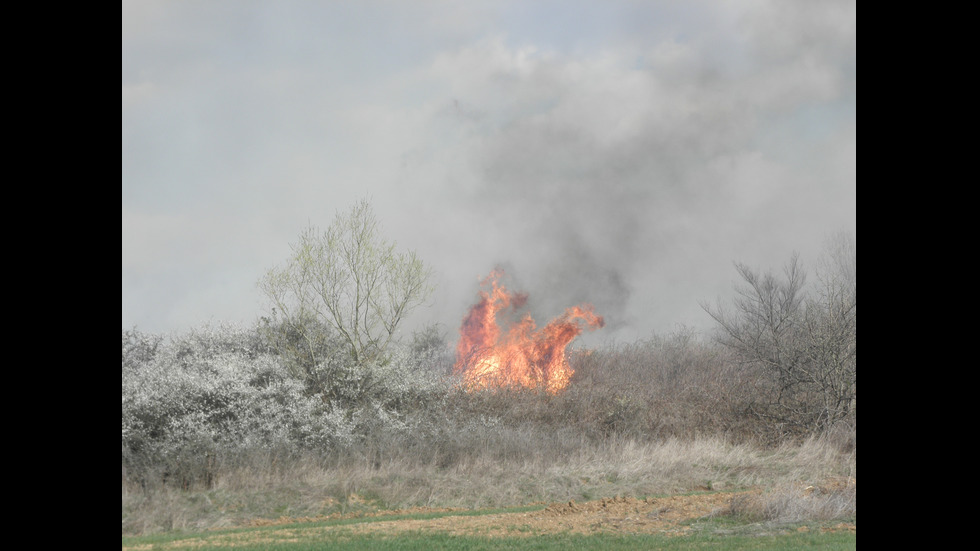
x: 348, y: 278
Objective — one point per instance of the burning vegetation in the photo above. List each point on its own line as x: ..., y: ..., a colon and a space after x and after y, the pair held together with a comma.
x: 519, y: 354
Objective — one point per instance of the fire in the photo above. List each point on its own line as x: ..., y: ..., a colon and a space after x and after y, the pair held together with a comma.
x: 524, y: 356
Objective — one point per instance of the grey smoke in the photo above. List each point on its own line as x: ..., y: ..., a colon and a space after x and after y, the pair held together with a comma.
x: 625, y: 158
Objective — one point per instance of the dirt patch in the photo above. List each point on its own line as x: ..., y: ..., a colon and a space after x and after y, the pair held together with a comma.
x: 618, y: 514
x: 669, y: 515
x: 666, y: 515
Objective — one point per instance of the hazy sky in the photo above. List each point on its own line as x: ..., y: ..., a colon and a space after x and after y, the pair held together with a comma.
x: 624, y: 153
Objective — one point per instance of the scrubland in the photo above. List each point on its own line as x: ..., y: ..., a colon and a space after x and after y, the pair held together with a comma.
x: 222, y: 427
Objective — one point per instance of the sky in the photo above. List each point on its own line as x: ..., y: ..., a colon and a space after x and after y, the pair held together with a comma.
x: 623, y: 153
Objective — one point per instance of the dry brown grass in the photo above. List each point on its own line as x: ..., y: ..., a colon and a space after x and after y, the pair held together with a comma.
x: 790, y: 502
x: 532, y: 469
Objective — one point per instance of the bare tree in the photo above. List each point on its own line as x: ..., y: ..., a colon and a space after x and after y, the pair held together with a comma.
x: 805, y: 345
x: 831, y: 325
x: 349, y: 279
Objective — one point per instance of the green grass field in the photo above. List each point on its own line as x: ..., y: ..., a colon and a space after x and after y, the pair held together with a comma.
x: 299, y: 542
x: 719, y: 533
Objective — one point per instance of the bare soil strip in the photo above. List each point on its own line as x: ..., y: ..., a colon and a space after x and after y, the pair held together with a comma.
x: 622, y: 515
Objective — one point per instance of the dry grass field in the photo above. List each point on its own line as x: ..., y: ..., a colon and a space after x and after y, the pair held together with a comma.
x: 624, y: 486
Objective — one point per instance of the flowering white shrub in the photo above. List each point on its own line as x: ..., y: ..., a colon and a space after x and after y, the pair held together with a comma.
x: 217, y: 390
x: 191, y: 399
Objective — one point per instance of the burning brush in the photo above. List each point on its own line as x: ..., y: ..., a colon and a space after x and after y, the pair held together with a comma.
x: 523, y: 356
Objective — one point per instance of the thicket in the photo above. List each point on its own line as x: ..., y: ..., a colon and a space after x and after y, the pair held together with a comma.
x: 196, y: 403
x: 323, y: 379
x: 199, y: 404
x: 798, y: 347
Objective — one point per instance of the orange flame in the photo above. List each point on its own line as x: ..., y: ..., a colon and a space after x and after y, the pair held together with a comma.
x: 523, y: 357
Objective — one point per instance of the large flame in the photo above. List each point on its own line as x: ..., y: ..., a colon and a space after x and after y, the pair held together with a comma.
x: 523, y: 356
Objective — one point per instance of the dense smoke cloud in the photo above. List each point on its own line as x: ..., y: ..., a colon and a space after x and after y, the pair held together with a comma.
x: 626, y: 158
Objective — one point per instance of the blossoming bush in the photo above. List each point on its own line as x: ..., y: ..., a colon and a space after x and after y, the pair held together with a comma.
x: 194, y: 402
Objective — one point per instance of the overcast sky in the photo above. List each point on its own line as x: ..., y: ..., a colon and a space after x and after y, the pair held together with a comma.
x: 624, y: 153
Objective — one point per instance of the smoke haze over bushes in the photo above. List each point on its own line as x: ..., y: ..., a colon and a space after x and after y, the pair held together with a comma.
x: 616, y: 153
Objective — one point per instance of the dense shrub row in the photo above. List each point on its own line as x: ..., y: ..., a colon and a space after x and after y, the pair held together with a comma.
x: 197, y: 403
